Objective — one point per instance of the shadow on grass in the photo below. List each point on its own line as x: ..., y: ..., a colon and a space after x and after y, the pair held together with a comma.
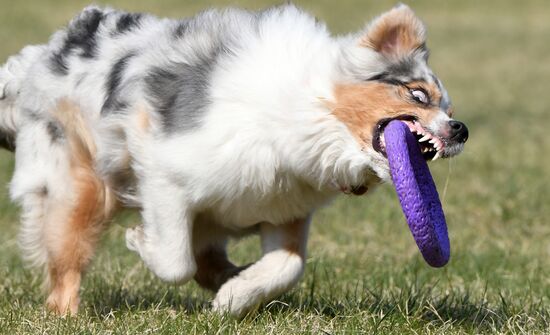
x: 106, y: 298
x: 411, y: 304
x: 422, y: 305
x: 419, y: 301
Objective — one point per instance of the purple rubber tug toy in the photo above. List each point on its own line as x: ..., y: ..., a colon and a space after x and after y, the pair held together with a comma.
x: 417, y: 194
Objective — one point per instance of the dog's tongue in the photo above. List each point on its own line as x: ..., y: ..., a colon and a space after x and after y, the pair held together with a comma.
x: 417, y: 194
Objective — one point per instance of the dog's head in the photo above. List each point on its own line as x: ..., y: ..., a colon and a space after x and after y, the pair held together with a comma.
x: 387, y: 77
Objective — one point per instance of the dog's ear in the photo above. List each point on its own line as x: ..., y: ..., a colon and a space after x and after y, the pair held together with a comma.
x: 395, y: 33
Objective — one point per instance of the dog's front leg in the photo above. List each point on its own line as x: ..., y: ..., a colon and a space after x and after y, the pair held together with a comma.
x: 280, y: 268
x: 164, y: 242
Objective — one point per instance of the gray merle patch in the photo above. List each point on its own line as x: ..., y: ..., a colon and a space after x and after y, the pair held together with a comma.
x: 128, y: 22
x: 180, y: 92
x: 55, y: 131
x: 181, y: 29
x: 81, y: 35
x: 112, y: 86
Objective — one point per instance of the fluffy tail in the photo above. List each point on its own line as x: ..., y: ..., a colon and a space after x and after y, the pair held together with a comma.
x: 12, y: 76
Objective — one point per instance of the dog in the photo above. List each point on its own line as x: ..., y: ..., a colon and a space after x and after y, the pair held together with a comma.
x: 229, y: 123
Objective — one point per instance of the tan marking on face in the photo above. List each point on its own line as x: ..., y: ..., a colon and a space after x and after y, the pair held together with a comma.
x: 361, y: 106
x: 396, y: 33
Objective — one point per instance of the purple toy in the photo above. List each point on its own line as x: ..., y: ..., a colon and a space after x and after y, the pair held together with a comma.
x: 417, y: 193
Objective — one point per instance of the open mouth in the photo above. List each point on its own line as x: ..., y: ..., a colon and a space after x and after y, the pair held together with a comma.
x: 431, y: 146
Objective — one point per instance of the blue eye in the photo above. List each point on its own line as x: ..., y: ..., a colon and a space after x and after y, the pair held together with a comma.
x: 420, y: 96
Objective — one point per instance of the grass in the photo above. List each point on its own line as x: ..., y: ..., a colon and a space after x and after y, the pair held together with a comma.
x: 364, y: 272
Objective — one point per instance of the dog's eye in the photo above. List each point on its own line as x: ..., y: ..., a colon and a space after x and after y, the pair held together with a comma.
x: 420, y: 96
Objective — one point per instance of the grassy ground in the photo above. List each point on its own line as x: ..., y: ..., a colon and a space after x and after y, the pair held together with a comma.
x: 364, y: 272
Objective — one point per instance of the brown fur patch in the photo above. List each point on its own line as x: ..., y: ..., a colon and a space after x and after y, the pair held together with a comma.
x: 295, y: 237
x: 396, y: 32
x: 80, y: 219
x: 361, y: 106
x: 64, y: 298
x: 143, y: 120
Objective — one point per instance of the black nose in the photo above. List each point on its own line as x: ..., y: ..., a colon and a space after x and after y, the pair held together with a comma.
x: 459, y: 131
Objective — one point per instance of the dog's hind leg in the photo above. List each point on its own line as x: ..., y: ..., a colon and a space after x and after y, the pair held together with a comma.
x: 65, y: 204
x: 73, y: 228
x: 213, y: 266
x: 77, y: 216
x: 280, y: 268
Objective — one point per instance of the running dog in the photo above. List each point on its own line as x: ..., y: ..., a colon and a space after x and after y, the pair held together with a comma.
x: 225, y: 124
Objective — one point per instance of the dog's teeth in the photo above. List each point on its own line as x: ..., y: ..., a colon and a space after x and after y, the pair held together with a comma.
x: 437, y: 154
x: 425, y: 138
x: 432, y: 141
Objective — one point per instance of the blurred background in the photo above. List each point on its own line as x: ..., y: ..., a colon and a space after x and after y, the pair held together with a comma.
x: 364, y: 272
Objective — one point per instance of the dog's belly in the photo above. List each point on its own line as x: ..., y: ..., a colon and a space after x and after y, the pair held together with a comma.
x: 250, y: 209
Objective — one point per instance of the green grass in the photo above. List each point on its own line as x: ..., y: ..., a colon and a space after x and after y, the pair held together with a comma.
x: 364, y: 274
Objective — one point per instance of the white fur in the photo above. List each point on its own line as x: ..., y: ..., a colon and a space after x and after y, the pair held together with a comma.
x: 267, y: 151
x: 40, y: 180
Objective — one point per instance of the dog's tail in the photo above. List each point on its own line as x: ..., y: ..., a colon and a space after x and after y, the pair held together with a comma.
x: 12, y: 75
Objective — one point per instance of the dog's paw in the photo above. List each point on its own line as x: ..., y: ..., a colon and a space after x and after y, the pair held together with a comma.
x: 237, y: 297
x: 166, y: 263
x: 63, y: 302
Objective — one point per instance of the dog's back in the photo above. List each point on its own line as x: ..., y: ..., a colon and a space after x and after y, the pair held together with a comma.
x: 112, y: 63
x: 83, y: 106
x: 105, y: 57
